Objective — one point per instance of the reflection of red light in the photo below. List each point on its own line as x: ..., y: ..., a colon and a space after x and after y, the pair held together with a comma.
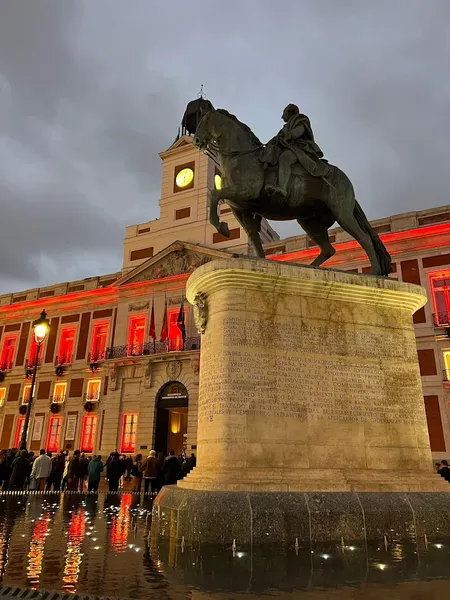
x: 74, y: 556
x: 121, y: 525
x: 36, y: 553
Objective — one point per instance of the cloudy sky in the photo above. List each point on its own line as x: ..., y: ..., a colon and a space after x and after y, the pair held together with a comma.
x: 92, y: 90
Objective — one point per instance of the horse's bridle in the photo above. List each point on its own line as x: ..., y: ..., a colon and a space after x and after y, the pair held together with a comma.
x: 216, y: 148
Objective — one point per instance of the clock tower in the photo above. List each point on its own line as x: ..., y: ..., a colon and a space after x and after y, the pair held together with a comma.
x: 188, y: 176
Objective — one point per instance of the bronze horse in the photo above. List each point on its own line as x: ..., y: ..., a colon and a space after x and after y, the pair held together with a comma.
x: 316, y: 203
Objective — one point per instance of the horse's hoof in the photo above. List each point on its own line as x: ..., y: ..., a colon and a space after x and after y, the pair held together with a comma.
x: 224, y: 229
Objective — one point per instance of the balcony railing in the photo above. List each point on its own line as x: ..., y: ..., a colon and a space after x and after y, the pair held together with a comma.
x: 96, y: 357
x: 30, y: 363
x: 441, y: 319
x: 153, y: 348
x: 64, y: 359
x: 57, y: 399
x: 92, y: 397
x: 6, y: 365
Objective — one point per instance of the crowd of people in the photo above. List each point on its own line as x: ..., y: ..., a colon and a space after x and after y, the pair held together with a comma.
x: 22, y: 470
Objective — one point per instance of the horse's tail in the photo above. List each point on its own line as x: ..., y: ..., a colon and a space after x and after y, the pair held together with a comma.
x: 380, y: 249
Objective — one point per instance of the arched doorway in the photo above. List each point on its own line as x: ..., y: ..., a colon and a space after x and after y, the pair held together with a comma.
x: 171, y: 418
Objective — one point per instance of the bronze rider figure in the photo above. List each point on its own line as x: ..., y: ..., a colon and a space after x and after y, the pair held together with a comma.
x: 293, y: 143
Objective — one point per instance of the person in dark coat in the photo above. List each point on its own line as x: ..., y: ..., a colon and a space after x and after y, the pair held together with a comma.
x: 5, y: 471
x: 58, y: 464
x: 444, y: 471
x: 73, y: 472
x: 171, y: 469
x: 114, y: 472
x: 83, y: 466
x: 21, y: 470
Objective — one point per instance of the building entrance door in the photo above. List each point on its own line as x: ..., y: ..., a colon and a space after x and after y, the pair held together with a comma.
x: 171, y: 418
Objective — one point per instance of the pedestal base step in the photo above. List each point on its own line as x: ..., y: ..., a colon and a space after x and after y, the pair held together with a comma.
x: 202, y: 517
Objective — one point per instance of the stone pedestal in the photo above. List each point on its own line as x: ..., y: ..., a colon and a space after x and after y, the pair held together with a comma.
x: 309, y: 381
x: 309, y: 384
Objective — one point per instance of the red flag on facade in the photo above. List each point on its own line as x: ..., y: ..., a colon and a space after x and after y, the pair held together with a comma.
x: 165, y: 325
x: 152, y: 331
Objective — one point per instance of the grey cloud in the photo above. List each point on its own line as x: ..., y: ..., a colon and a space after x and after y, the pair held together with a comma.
x: 90, y: 92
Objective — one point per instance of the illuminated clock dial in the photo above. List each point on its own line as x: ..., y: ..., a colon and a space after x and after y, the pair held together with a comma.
x: 184, y: 177
x: 218, y: 182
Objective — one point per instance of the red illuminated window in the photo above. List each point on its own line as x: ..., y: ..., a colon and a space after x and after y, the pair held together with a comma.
x: 26, y: 394
x: 19, y: 429
x: 54, y: 434
x: 136, y: 335
x: 129, y: 431
x: 66, y: 345
x: 32, y: 352
x: 8, y: 348
x: 175, y: 338
x: 2, y: 396
x: 99, y: 341
x: 88, y: 433
x: 440, y: 289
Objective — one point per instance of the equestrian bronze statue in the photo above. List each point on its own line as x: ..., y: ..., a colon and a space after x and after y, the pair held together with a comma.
x: 283, y: 180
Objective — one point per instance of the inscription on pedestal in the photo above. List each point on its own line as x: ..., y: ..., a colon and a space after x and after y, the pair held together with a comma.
x: 307, y: 372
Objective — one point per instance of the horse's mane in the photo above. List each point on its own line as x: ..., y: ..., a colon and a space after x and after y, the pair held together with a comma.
x: 245, y: 127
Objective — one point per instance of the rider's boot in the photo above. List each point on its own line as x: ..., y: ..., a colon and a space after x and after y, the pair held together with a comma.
x: 280, y: 190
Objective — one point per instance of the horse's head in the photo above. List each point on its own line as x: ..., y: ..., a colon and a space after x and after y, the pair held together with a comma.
x: 206, y: 129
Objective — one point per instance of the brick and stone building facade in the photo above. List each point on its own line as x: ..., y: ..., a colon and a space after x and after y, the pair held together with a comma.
x: 103, y: 382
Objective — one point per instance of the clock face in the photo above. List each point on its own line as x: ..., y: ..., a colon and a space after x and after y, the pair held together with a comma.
x: 184, y: 177
x: 218, y: 182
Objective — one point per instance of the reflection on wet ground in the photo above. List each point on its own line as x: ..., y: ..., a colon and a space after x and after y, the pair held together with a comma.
x: 101, y: 545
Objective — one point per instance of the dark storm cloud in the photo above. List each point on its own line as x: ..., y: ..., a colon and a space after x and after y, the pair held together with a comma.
x: 90, y: 92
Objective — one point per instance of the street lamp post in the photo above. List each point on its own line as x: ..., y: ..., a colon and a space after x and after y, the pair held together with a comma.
x: 41, y: 329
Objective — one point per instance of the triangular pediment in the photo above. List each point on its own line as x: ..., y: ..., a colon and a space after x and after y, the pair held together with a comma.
x: 182, y: 142
x: 176, y: 259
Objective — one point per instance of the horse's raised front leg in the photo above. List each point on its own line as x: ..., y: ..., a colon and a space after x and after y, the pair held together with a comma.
x: 230, y: 194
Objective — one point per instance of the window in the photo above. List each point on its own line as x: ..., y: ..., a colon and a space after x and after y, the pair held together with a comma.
x: 32, y: 352
x: 2, y: 396
x: 136, y: 335
x: 8, y: 348
x: 440, y: 289
x: 26, y: 394
x: 99, y: 341
x: 88, y: 433
x: 175, y: 338
x: 93, y: 390
x: 53, y: 434
x: 19, y: 429
x: 66, y: 345
x: 129, y: 430
x: 183, y: 213
x: 59, y: 392
x: 141, y: 253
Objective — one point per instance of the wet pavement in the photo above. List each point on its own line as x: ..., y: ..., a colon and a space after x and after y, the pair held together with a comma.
x: 101, y: 545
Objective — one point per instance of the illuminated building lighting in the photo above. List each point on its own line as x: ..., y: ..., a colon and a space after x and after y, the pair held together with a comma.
x: 121, y: 525
x: 381, y: 566
x: 438, y: 546
x: 36, y: 553
x: 74, y: 556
